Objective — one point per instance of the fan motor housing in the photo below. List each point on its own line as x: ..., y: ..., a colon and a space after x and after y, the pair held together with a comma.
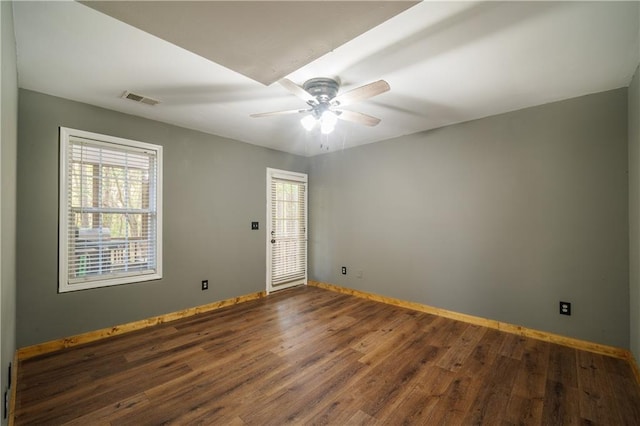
x: 323, y: 89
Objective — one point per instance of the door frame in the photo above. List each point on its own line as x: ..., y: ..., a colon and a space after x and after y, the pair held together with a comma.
x: 293, y: 176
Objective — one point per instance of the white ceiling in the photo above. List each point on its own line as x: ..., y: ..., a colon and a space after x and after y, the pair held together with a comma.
x: 446, y: 62
x: 240, y: 35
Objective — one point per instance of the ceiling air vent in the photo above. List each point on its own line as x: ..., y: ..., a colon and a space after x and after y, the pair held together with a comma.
x: 139, y: 98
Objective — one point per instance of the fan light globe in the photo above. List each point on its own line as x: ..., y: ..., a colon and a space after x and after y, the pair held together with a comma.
x: 329, y: 117
x: 326, y: 128
x: 328, y: 122
x: 308, y: 122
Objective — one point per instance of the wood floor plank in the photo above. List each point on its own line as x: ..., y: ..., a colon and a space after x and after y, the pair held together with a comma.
x: 625, y: 390
x: 378, y: 332
x: 454, y: 405
x: 415, y: 408
x: 484, y: 354
x: 595, y: 390
x: 116, y: 387
x: 561, y: 405
x: 312, y: 356
x: 563, y: 366
x: 532, y: 375
x: 361, y: 418
x: 426, y: 394
x: 389, y: 389
x: 299, y: 398
x: 523, y: 411
x: 462, y: 347
x: 111, y: 412
x: 513, y: 346
x: 313, y: 336
x: 490, y: 403
x: 201, y: 393
x: 389, y: 338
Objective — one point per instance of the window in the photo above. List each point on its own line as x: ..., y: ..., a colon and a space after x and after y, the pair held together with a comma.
x: 110, y: 211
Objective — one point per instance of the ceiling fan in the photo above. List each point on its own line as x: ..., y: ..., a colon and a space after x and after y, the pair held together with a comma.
x: 325, y: 104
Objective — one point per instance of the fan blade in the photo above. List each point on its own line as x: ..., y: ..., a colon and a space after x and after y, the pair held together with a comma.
x: 269, y: 114
x: 363, y: 92
x: 357, y: 117
x: 298, y: 91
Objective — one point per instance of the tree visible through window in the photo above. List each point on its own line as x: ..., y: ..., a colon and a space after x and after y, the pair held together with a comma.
x: 110, y: 219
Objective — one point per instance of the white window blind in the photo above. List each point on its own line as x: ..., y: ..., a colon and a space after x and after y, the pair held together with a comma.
x: 110, y: 219
x: 289, y: 230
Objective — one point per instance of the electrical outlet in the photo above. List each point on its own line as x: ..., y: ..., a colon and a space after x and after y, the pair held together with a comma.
x: 565, y: 308
x: 205, y: 284
x: 359, y: 274
x: 344, y: 270
x: 255, y: 225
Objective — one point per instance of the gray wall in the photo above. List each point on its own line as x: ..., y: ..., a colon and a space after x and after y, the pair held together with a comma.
x: 634, y: 212
x: 8, y: 142
x: 501, y: 217
x: 213, y: 189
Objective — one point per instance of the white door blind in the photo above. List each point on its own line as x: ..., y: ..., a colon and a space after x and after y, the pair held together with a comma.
x: 111, y: 211
x: 289, y: 231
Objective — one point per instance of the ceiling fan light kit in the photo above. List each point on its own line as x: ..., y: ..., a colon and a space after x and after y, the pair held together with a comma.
x: 327, y: 122
x: 321, y: 94
x: 308, y: 122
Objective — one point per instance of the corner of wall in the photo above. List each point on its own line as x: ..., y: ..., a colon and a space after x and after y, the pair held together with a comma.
x: 8, y: 160
x: 633, y: 124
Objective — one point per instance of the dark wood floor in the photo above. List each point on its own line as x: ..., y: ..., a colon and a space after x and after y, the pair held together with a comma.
x: 311, y: 356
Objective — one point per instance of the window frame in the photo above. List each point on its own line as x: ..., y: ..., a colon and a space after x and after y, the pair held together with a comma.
x: 64, y: 212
